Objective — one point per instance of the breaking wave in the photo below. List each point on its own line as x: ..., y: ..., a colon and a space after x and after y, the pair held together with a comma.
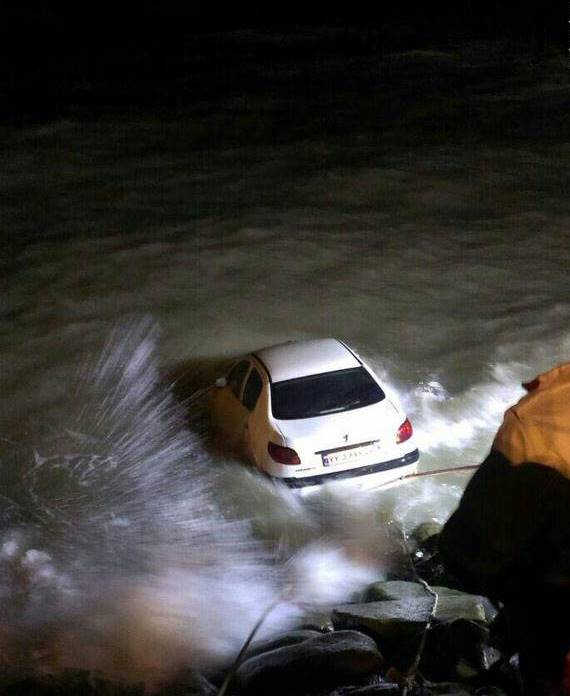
x: 121, y: 548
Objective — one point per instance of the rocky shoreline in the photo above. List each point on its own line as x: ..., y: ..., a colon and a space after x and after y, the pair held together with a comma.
x: 411, y: 636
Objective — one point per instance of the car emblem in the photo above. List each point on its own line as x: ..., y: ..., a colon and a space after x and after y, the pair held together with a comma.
x: 345, y: 438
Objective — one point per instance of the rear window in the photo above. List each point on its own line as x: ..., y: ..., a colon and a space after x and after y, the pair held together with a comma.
x: 319, y: 395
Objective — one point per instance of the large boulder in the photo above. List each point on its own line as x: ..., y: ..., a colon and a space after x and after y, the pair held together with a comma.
x: 443, y: 689
x: 401, y: 589
x: 459, y: 650
x: 426, y: 689
x: 322, y: 662
x: 393, y: 619
x: 381, y: 688
x: 423, y: 547
x: 388, y: 620
x: 424, y: 533
x: 281, y: 641
x: 397, y: 625
x: 455, y: 689
x: 506, y: 675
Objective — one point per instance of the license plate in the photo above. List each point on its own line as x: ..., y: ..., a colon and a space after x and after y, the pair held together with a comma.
x: 347, y: 455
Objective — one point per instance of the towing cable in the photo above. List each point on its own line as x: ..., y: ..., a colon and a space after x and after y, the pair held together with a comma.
x: 411, y: 674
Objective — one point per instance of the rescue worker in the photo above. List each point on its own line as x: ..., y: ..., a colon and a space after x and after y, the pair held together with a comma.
x: 509, y: 539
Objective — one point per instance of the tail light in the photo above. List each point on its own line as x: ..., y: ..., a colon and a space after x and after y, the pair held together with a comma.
x: 405, y: 432
x: 283, y: 455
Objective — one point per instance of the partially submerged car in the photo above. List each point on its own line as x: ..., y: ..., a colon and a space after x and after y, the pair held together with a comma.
x: 308, y: 412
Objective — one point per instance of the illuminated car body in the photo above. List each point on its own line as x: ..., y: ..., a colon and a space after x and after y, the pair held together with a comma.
x: 308, y: 412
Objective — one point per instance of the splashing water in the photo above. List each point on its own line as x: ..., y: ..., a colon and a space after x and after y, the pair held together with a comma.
x: 457, y: 428
x: 130, y: 549
x: 116, y: 555
x: 125, y: 545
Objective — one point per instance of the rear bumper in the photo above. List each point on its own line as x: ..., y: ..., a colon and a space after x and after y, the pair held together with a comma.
x: 406, y: 460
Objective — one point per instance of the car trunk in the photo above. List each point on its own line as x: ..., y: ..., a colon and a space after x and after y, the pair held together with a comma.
x: 344, y: 440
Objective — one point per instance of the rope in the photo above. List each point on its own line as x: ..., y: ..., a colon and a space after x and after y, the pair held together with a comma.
x: 421, y: 474
x: 412, y: 671
x: 410, y: 678
x: 448, y: 470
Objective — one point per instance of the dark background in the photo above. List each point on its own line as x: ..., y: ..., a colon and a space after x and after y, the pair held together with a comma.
x: 102, y: 58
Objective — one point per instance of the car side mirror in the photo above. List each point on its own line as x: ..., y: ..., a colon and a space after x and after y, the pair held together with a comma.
x: 221, y: 382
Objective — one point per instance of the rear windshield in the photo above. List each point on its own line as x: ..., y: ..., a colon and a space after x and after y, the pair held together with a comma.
x: 318, y: 395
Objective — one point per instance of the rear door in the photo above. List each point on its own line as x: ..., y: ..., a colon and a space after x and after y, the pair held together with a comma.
x: 228, y: 413
x: 252, y: 400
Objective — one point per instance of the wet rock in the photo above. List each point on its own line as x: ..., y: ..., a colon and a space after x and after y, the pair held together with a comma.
x: 455, y: 689
x: 394, y: 619
x: 423, y: 546
x: 443, y: 689
x: 379, y: 689
x: 317, y: 620
x: 458, y: 650
x: 281, y: 641
x: 401, y: 589
x: 506, y: 675
x: 424, y: 532
x: 326, y: 661
x: 432, y: 570
x: 389, y: 620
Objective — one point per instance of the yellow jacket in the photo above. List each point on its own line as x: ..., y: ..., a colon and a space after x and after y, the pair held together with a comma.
x: 537, y: 428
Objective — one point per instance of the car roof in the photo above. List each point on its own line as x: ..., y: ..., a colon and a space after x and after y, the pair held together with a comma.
x: 303, y: 358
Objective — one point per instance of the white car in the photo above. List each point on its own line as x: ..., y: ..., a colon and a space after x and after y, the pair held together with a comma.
x: 307, y: 412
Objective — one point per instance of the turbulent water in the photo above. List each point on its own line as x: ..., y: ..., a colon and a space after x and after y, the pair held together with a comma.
x: 141, y: 255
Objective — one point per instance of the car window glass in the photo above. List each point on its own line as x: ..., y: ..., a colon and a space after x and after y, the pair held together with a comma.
x: 252, y: 390
x: 329, y: 392
x: 236, y: 376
